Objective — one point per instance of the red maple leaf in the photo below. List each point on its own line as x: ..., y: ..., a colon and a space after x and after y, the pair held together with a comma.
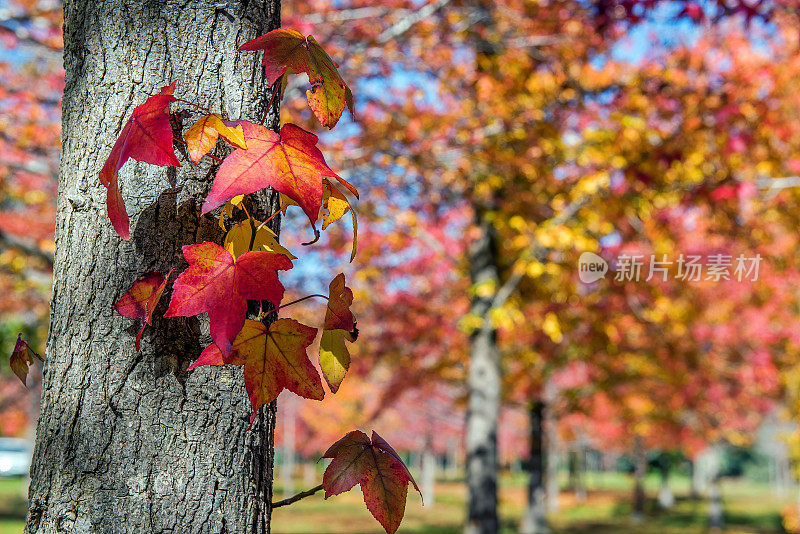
x: 290, y: 163
x: 147, y: 137
x: 217, y: 283
x: 141, y: 300
x: 378, y: 468
x: 287, y: 50
x: 22, y: 358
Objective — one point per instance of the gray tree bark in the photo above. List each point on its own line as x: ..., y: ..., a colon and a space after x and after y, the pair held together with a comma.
x: 483, y: 384
x: 716, y: 511
x: 126, y: 441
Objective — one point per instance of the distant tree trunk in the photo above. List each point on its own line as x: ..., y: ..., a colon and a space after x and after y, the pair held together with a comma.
x: 694, y: 467
x: 127, y: 441
x: 428, y: 479
x: 716, y: 516
x: 552, y: 450
x: 535, y: 519
x: 453, y: 462
x: 639, y: 472
x: 483, y: 384
x: 288, y: 446
x: 666, y: 499
x: 577, y: 466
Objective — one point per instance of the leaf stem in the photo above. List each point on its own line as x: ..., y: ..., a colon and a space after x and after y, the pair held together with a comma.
x: 300, y: 300
x: 301, y: 495
x: 201, y: 108
x: 272, y: 216
x: 275, y: 88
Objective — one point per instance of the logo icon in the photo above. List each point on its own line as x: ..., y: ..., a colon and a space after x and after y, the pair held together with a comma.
x: 591, y: 267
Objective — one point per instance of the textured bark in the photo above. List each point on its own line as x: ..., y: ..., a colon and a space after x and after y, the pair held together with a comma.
x: 535, y: 519
x: 126, y: 441
x: 483, y: 384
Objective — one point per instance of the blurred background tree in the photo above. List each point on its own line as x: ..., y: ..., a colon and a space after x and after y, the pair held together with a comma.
x: 501, y: 140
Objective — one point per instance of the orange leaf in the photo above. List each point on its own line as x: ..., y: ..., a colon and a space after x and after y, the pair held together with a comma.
x: 203, y: 135
x: 275, y: 359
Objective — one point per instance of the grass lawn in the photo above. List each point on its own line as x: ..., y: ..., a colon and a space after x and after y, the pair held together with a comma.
x: 12, y: 505
x: 750, y: 508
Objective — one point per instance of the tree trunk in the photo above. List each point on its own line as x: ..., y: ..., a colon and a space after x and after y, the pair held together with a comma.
x: 483, y: 384
x: 716, y: 513
x: 716, y: 516
x: 288, y: 463
x: 577, y: 469
x: 535, y: 519
x: 127, y: 441
x: 666, y: 498
x: 552, y: 452
x: 639, y: 472
x: 428, y: 479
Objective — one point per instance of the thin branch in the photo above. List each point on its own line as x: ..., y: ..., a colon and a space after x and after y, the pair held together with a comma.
x: 301, y: 495
x: 395, y: 30
x: 346, y: 14
x: 9, y: 241
x: 300, y: 300
x: 198, y: 106
x: 403, y: 25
